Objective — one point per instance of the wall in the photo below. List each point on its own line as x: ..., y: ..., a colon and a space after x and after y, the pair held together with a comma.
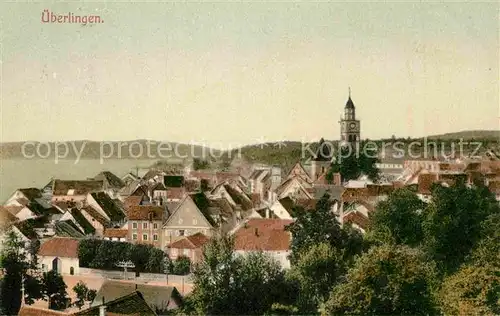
x: 178, y: 279
x: 150, y: 231
x: 65, y: 264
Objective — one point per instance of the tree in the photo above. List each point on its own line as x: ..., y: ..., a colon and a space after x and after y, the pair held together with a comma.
x: 351, y: 163
x: 318, y: 269
x: 87, y: 250
x: 182, y: 265
x: 398, y: 219
x: 16, y: 268
x: 321, y: 226
x: 139, y: 255
x: 453, y: 222
x: 214, y: 278
x: 199, y: 164
x: 54, y: 290
x: 473, y: 290
x: 156, y: 261
x: 83, y: 294
x: 226, y: 284
x: 204, y: 186
x: 387, y: 280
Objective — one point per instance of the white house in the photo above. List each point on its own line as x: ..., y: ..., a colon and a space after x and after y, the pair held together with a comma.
x: 266, y: 235
x: 59, y: 254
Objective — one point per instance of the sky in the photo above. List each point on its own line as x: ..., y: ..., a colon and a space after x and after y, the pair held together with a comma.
x: 247, y: 72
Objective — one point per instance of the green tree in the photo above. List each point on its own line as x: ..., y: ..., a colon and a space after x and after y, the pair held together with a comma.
x: 353, y: 162
x: 387, y: 280
x: 54, y: 290
x: 139, y: 255
x: 398, y: 219
x: 182, y: 265
x: 204, y: 185
x: 453, y: 222
x: 320, y: 225
x: 83, y: 294
x: 87, y: 250
x: 317, y: 271
x: 16, y: 271
x: 225, y: 284
x: 472, y: 290
x: 157, y: 260
x: 199, y: 164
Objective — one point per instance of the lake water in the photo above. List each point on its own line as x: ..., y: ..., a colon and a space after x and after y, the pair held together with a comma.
x: 24, y: 173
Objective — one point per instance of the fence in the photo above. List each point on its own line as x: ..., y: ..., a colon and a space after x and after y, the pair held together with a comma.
x: 149, y: 277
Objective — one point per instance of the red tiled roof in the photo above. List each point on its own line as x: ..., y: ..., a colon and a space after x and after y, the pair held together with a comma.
x: 11, y: 209
x: 59, y: 247
x: 307, y: 204
x: 141, y: 212
x: 37, y: 311
x: 176, y: 193
x: 190, y: 242
x: 263, y: 234
x: 80, y: 187
x: 115, y: 233
x: 132, y: 200
x: 357, y: 218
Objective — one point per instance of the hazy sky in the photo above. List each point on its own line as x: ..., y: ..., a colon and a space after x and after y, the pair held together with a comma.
x: 246, y: 72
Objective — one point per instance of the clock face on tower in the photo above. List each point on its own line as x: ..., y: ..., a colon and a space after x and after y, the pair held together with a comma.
x: 352, y: 126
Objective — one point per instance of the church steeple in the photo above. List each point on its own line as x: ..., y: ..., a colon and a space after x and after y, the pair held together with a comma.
x: 349, y: 125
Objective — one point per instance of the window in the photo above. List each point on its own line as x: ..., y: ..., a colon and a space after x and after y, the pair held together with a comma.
x: 155, y: 225
x: 134, y: 236
x: 72, y: 271
x: 186, y: 252
x: 155, y: 237
x: 174, y: 252
x: 134, y: 225
x: 181, y: 232
x: 195, y: 222
x: 144, y: 225
x: 144, y: 237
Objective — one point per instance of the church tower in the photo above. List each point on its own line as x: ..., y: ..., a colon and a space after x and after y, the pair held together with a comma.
x: 349, y: 126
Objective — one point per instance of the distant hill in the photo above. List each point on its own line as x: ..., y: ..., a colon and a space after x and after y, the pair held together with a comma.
x: 468, y: 135
x: 135, y: 149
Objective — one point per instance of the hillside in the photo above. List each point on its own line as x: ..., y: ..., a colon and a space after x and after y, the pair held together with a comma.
x: 136, y: 149
x: 468, y: 135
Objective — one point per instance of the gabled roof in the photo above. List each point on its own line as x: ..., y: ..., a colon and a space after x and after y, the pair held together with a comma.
x: 38, y: 311
x: 287, y: 203
x: 131, y: 304
x: 130, y: 188
x: 31, y: 193
x: 112, y: 180
x: 239, y: 198
x: 155, y: 296
x: 68, y: 229
x: 95, y: 215
x: 357, y: 218
x: 203, y: 204
x: 6, y: 217
x: 59, y: 247
x: 302, y: 172
x: 112, y: 210
x: 142, y: 213
x: 79, y: 187
x: 190, y: 242
x: 82, y: 221
x: 263, y: 234
x: 115, y: 233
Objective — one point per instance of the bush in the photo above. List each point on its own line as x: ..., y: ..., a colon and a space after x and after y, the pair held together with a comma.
x: 182, y: 266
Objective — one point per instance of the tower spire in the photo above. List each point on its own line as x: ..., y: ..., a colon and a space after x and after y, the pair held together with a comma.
x: 349, y: 92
